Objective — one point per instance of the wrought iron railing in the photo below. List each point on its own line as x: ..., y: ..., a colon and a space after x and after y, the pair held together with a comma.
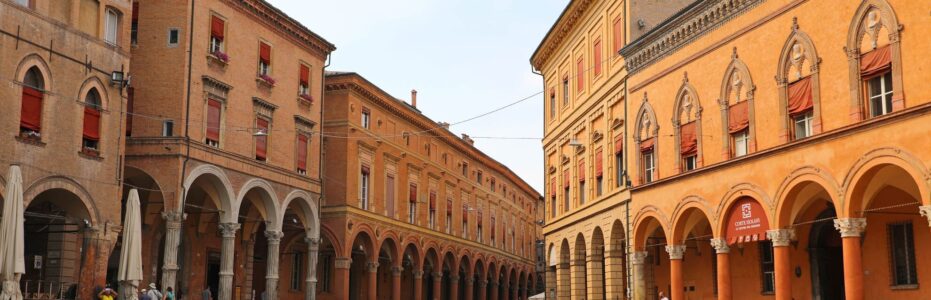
x: 48, y: 290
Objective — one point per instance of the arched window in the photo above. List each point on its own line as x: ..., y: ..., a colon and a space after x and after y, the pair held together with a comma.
x: 30, y: 122
x: 799, y: 86
x: 874, y: 57
x: 687, y: 122
x: 91, y: 133
x: 736, y: 103
x: 646, y: 137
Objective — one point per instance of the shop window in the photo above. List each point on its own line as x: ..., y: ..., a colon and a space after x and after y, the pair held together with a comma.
x: 902, y: 255
x: 767, y: 273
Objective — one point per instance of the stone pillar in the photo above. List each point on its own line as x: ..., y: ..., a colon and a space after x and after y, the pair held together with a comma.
x: 724, y: 268
x: 550, y: 283
x: 273, y: 239
x: 313, y: 250
x: 228, y: 231
x: 850, y: 231
x: 579, y: 290
x: 595, y: 278
x: 454, y: 287
x: 482, y: 292
x: 503, y: 288
x: 173, y: 221
x: 437, y: 285
x: 396, y: 282
x: 341, y: 277
x: 676, y: 253
x: 418, y: 284
x: 373, y: 280
x: 637, y: 259
x: 782, y: 263
x: 494, y: 289
x: 615, y: 274
x: 514, y: 288
x: 469, y: 288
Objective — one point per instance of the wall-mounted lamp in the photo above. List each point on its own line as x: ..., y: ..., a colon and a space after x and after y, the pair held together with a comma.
x: 118, y: 78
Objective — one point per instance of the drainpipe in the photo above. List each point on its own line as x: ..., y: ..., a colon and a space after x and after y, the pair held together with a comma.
x: 187, y: 141
x: 329, y: 58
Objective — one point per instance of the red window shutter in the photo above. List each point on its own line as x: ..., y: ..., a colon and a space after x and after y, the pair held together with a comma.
x: 565, y: 177
x: 465, y: 213
x: 135, y: 12
x: 91, y: 123
x: 216, y: 27
x: 365, y: 169
x: 31, y: 117
x: 618, y: 34
x: 261, y: 142
x: 647, y: 145
x: 597, y: 57
x: 130, y: 95
x: 432, y: 201
x: 800, y: 99
x: 876, y: 62
x: 688, y: 142
x: 265, y: 53
x: 738, y: 117
x: 213, y: 120
x: 413, y: 198
x: 580, y: 74
x: 493, y: 226
x: 599, y: 172
x: 302, y: 152
x: 449, y: 208
x: 479, y: 217
x: 553, y: 187
x: 582, y: 171
x: 618, y: 144
x: 305, y: 75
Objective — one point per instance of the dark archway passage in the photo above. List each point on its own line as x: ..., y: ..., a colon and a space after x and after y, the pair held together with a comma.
x: 826, y: 252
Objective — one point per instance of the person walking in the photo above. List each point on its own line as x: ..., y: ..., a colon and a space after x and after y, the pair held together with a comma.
x: 663, y: 296
x: 169, y: 294
x: 206, y: 294
x: 143, y: 295
x: 153, y: 293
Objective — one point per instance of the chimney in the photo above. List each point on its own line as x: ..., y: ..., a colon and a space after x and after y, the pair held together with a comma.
x: 414, y: 98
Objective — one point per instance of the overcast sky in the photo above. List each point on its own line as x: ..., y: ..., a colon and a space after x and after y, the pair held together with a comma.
x: 464, y: 57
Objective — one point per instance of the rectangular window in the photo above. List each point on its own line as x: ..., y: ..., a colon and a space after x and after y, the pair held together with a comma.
x: 217, y: 34
x: 366, y: 118
x: 618, y: 34
x: 599, y: 186
x: 767, y: 273
x: 449, y: 215
x: 648, y: 167
x: 581, y: 192
x: 112, y: 27
x: 412, y: 205
x: 364, y: 188
x: 261, y: 139
x: 303, y: 86
x: 478, y: 177
x: 302, y: 142
x: 297, y: 268
x: 619, y: 168
x: 553, y: 206
x: 741, y: 143
x: 324, y: 284
x: 174, y: 37
x: 880, y: 92
x: 214, y: 115
x: 493, y: 185
x: 552, y: 104
x: 565, y: 199
x: 26, y: 3
x: 168, y: 128
x: 580, y: 75
x: 265, y: 59
x: 465, y: 170
x: 134, y: 30
x: 690, y: 162
x: 902, y: 254
x: 389, y: 196
x: 565, y: 91
x: 803, y: 125
x: 432, y: 218
x: 596, y: 58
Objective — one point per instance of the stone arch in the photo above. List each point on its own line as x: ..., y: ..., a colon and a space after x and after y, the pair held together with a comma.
x: 684, y: 217
x: 326, y: 232
x: 872, y: 19
x: 34, y: 60
x: 220, y: 182
x: 798, y: 52
x: 617, y: 236
x: 645, y: 215
x: 785, y: 196
x: 94, y: 82
x: 390, y: 244
x: 647, y: 129
x: 307, y: 205
x: 687, y: 110
x: 368, y: 242
x: 63, y: 183
x: 871, y: 162
x: 737, y: 86
x: 740, y: 191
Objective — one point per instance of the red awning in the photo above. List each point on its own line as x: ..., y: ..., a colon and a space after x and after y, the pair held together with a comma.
x: 216, y: 27
x: 800, y: 96
x: 31, y: 113
x: 305, y: 75
x: 618, y: 144
x: 876, y: 62
x: 433, y: 201
x: 599, y: 164
x: 413, y: 197
x: 265, y: 53
x: 213, y: 120
x: 647, y: 144
x: 746, y: 222
x: 581, y: 171
x: 91, y: 123
x: 688, y: 142
x: 738, y: 117
x: 565, y: 179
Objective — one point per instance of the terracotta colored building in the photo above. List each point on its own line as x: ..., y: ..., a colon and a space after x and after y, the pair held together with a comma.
x: 411, y: 211
x: 809, y: 186
x: 62, y: 124
x: 226, y: 104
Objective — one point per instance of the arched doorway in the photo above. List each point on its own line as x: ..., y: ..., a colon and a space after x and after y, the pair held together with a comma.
x: 826, y: 256
x: 362, y: 256
x: 55, y: 226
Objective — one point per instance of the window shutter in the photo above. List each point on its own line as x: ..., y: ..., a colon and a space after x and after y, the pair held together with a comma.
x: 876, y: 62
x: 599, y: 172
x: 261, y: 142
x: 580, y: 74
x: 213, y: 120
x: 31, y: 117
x: 449, y: 208
x: 413, y: 197
x: 618, y: 34
x: 581, y: 171
x: 265, y: 53
x: 91, y: 123
x: 738, y: 117
x: 647, y: 145
x: 305, y: 75
x: 565, y: 177
x: 688, y: 142
x: 800, y: 99
x: 596, y: 60
x: 618, y: 144
x: 216, y: 27
x: 302, y: 152
x: 432, y: 201
x: 553, y: 187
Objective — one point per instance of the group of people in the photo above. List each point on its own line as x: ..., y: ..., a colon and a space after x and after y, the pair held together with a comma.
x: 152, y: 293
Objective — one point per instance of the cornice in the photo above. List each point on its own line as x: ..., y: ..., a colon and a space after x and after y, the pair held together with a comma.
x: 559, y: 32
x: 682, y: 29
x: 289, y: 27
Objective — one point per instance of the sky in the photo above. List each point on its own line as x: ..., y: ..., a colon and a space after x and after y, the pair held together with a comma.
x: 464, y: 58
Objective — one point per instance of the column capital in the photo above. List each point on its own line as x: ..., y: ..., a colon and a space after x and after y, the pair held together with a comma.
x: 396, y: 270
x: 850, y: 227
x: 925, y: 211
x: 675, y: 251
x: 372, y: 267
x: 454, y: 277
x: 470, y: 281
x: 781, y: 237
x: 273, y: 236
x: 638, y: 257
x: 342, y: 263
x: 228, y: 230
x: 418, y: 274
x: 173, y: 217
x: 312, y: 242
x: 437, y: 275
x: 482, y: 283
x: 720, y: 245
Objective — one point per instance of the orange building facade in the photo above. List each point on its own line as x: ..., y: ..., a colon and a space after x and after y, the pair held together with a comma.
x: 222, y: 145
x: 411, y: 211
x: 776, y: 150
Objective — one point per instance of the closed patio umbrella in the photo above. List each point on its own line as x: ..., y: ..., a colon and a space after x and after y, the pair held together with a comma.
x: 130, y: 273
x: 12, y: 261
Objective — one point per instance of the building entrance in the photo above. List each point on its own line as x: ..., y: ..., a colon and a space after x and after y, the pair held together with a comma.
x: 827, y: 259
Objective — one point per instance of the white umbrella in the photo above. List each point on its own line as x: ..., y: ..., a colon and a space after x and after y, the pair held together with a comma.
x: 12, y: 261
x: 130, y: 273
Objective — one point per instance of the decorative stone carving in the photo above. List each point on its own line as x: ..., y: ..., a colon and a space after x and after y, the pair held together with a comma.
x: 850, y: 227
x: 273, y: 236
x: 372, y: 267
x: 925, y: 211
x: 418, y: 274
x: 781, y: 237
x: 228, y: 230
x: 342, y: 263
x: 675, y: 251
x: 720, y: 245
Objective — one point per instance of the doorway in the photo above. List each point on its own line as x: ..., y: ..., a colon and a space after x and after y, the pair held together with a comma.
x: 213, y: 272
x: 827, y: 259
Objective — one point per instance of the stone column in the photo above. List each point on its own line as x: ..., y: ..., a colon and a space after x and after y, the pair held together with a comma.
x: 313, y: 250
x: 373, y: 280
x: 550, y: 283
x: 341, y: 277
x: 596, y: 286
x: 724, y: 267
x: 454, y: 287
x: 503, y: 288
x: 493, y: 286
x: 676, y: 253
x: 228, y: 231
x: 563, y: 286
x: 273, y: 238
x: 637, y: 259
x: 782, y: 263
x: 615, y: 274
x: 437, y: 285
x: 579, y: 290
x: 396, y: 282
x: 469, y: 288
x: 173, y: 221
x: 850, y: 231
x: 482, y: 292
x: 418, y: 284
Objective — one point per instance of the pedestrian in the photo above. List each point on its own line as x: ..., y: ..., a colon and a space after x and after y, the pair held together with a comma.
x: 206, y: 294
x: 106, y: 294
x: 169, y: 294
x: 154, y: 294
x: 663, y: 296
x: 144, y: 295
